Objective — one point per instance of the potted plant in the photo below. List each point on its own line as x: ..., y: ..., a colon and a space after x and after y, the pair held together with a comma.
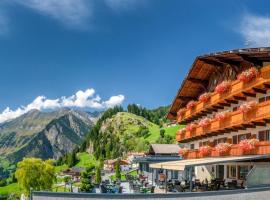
x: 248, y: 145
x: 205, y: 150
x: 221, y: 115
x: 248, y: 75
x: 205, y: 122
x: 223, y: 87
x: 191, y: 104
x: 223, y: 148
x: 183, y: 152
x: 247, y: 106
x: 205, y: 97
x: 191, y: 127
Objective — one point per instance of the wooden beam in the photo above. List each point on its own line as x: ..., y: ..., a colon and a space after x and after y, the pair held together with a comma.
x: 212, y: 109
x: 248, y: 94
x: 231, y: 101
x: 211, y: 62
x: 266, y: 85
x: 249, y: 59
x: 249, y: 125
x: 240, y: 98
x: 224, y: 104
x: 259, y: 123
x: 186, y: 98
x: 218, y: 107
x: 199, y: 81
x: 259, y: 90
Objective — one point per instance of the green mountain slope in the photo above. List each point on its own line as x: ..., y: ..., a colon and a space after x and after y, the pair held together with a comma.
x: 133, y: 132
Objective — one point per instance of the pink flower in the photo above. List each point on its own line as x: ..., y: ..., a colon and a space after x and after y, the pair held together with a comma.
x: 248, y: 75
x: 205, y: 97
x: 247, y: 106
x: 248, y: 145
x: 205, y: 150
x: 223, y: 148
x: 180, y: 112
x: 205, y: 122
x: 191, y: 104
x: 191, y: 127
x: 183, y: 151
x: 223, y: 87
x: 221, y: 116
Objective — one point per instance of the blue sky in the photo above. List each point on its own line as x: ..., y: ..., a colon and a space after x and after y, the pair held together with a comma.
x: 94, y: 54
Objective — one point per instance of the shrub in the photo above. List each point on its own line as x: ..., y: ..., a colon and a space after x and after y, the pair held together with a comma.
x: 223, y: 87
x: 205, y: 97
x: 248, y: 75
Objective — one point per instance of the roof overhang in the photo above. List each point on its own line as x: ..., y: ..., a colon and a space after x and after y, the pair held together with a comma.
x: 197, y: 79
x: 182, y: 164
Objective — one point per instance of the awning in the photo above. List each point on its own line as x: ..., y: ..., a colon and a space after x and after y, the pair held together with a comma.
x: 182, y: 164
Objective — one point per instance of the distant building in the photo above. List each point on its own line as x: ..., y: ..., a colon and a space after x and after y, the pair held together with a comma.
x: 109, y: 165
x: 159, y: 153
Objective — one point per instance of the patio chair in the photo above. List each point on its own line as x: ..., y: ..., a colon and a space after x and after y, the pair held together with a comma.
x: 179, y: 188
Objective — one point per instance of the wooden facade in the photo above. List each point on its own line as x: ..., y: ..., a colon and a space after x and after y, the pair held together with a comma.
x: 205, y: 74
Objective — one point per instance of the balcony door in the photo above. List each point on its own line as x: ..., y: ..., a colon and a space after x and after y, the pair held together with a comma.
x: 220, y: 172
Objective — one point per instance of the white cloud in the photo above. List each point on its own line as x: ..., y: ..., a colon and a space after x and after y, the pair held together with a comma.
x: 68, y: 12
x: 114, y: 100
x: 82, y: 99
x: 255, y: 30
x: 3, y: 23
x: 123, y: 4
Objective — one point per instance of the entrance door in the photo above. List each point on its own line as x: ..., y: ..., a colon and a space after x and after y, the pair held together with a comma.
x: 220, y: 172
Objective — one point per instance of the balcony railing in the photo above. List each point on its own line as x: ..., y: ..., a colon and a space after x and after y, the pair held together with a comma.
x: 236, y: 90
x: 233, y: 122
x: 262, y: 149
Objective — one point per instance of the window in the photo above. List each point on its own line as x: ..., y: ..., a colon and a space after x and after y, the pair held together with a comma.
x: 222, y: 140
x: 235, y: 139
x: 264, y: 135
x: 242, y: 172
x: 191, y: 146
x: 232, y: 171
x: 174, y: 174
x: 235, y: 108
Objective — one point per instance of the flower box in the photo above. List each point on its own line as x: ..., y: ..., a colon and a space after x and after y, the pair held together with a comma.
x: 205, y: 122
x: 247, y: 106
x: 223, y: 148
x: 248, y: 146
x: 191, y: 127
x: 248, y: 75
x: 205, y: 151
x: 205, y: 97
x: 223, y: 87
x: 183, y: 152
x: 191, y: 105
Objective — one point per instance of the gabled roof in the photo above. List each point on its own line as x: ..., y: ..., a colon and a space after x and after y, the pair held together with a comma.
x: 204, y: 66
x: 164, y: 148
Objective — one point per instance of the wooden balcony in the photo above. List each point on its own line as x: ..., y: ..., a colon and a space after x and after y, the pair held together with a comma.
x: 235, y: 121
x: 238, y: 91
x: 262, y: 149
